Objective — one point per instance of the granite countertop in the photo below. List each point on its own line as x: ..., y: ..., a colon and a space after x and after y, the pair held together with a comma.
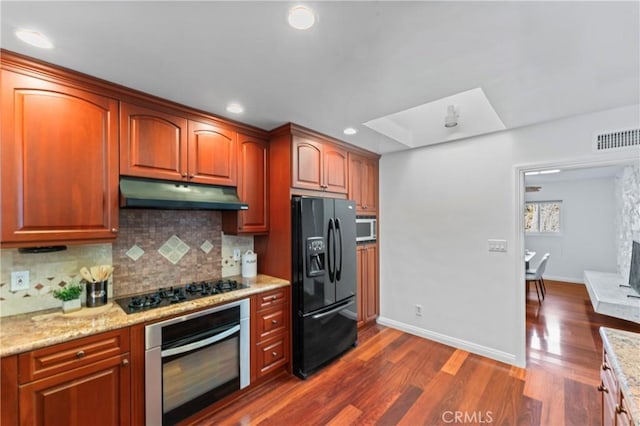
x: 25, y: 332
x: 623, y: 350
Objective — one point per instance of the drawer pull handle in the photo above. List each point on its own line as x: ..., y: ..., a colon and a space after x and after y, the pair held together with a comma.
x: 274, y: 321
x: 274, y: 354
x: 620, y: 410
x: 80, y: 354
x: 605, y: 367
x: 114, y: 230
x: 602, y: 388
x: 125, y: 362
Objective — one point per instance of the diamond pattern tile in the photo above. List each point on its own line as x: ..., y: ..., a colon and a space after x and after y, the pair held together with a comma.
x: 173, y: 249
x: 206, y: 246
x: 134, y: 253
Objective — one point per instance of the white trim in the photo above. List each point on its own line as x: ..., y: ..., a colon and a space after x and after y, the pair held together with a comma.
x: 501, y: 356
x: 564, y: 279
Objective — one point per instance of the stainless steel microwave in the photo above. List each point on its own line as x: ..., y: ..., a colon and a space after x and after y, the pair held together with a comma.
x: 366, y: 228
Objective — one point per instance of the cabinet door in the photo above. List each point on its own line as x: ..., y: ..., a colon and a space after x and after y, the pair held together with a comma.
x: 307, y: 164
x: 357, y: 181
x: 335, y: 169
x: 371, y: 295
x: 253, y: 184
x: 152, y: 143
x: 212, y: 154
x: 59, y: 154
x: 361, y: 272
x: 370, y: 183
x: 97, y: 394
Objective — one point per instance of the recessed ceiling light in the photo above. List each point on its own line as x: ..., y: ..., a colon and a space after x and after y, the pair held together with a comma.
x: 350, y: 131
x: 301, y: 17
x: 34, y: 38
x: 235, y: 108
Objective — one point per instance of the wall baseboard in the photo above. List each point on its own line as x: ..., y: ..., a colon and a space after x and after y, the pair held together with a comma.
x: 564, y: 279
x: 485, y: 351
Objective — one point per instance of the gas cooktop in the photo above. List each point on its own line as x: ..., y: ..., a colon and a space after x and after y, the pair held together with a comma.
x: 166, y: 296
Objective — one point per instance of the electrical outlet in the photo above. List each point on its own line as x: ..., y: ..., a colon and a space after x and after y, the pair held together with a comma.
x: 497, y: 245
x: 418, y: 310
x: 19, y: 280
x: 236, y: 254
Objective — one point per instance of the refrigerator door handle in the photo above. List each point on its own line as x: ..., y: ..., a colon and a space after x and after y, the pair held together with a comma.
x: 339, y: 265
x: 333, y: 311
x: 331, y: 249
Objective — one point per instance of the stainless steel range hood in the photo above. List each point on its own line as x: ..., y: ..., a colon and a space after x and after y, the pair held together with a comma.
x: 164, y: 194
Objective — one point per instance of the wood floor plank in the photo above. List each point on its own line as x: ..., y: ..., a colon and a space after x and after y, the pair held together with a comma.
x: 347, y: 416
x: 400, y: 406
x: 578, y: 407
x: 455, y: 361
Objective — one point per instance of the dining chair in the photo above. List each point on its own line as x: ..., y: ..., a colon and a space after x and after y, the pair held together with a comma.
x: 535, y: 275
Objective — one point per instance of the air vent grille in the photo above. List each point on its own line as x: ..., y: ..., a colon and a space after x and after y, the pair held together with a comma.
x: 617, y: 140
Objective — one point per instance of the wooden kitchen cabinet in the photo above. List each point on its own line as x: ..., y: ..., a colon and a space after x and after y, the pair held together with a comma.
x: 83, y: 381
x: 318, y: 165
x: 367, y: 282
x: 162, y: 145
x: 270, y: 331
x: 363, y: 183
x: 615, y: 409
x: 253, y: 188
x: 59, y: 172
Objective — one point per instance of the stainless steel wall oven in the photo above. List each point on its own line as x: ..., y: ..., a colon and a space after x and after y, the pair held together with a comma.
x: 195, y: 360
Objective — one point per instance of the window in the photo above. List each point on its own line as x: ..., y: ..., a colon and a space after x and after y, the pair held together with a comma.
x: 542, y: 217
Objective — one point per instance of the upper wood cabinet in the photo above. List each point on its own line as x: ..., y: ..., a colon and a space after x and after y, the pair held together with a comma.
x: 253, y: 187
x: 363, y: 183
x: 59, y: 171
x: 156, y: 144
x: 319, y: 166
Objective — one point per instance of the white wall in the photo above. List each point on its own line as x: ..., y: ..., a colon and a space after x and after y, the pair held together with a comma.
x: 439, y: 205
x: 588, y: 233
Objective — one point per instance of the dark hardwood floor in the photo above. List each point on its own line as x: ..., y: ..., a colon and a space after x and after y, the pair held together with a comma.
x: 393, y: 378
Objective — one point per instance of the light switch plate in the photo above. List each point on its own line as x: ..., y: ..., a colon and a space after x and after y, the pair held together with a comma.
x: 237, y: 255
x: 19, y: 280
x: 497, y: 245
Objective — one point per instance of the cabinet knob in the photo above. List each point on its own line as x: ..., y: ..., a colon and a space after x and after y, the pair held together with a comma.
x: 125, y: 362
x: 184, y: 175
x: 114, y: 230
x: 192, y: 176
x: 274, y: 321
x: 80, y: 354
x: 605, y: 367
x: 620, y: 410
x: 602, y: 388
x: 274, y: 354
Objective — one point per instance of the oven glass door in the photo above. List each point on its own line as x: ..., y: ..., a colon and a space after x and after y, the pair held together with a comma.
x: 200, y: 372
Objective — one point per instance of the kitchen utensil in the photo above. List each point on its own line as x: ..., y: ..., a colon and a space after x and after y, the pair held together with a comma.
x: 86, y: 274
x: 95, y: 273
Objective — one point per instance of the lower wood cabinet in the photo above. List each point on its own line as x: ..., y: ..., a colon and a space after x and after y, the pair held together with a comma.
x: 615, y: 410
x: 270, y: 332
x: 367, y: 272
x: 84, y: 381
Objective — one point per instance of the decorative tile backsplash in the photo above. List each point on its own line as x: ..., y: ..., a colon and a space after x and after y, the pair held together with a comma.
x: 47, y: 272
x: 200, y: 251
x: 627, y: 196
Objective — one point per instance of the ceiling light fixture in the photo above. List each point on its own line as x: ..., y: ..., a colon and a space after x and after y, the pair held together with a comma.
x: 350, y: 131
x: 235, y: 108
x: 548, y: 172
x: 34, y: 38
x: 301, y: 17
x: 451, y: 119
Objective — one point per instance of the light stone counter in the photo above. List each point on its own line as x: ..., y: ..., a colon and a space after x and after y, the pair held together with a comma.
x: 623, y: 350
x: 21, y: 333
x: 608, y: 298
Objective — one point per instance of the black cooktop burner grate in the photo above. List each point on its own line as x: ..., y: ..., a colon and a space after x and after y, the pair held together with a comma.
x: 166, y: 296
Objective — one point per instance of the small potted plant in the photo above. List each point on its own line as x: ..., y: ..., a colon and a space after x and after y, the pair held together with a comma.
x: 70, y: 296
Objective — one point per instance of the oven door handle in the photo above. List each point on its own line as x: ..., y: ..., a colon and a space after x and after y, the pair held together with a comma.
x: 200, y: 343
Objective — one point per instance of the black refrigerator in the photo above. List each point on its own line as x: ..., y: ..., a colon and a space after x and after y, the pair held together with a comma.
x: 324, y: 281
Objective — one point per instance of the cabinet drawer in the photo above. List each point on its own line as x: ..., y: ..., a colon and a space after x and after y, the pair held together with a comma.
x: 55, y: 359
x: 272, y: 354
x: 272, y: 298
x: 271, y: 322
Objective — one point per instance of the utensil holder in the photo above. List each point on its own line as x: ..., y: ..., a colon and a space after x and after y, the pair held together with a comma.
x: 96, y: 293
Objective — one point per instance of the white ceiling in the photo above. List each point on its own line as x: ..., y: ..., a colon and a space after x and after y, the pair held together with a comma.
x: 534, y: 61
